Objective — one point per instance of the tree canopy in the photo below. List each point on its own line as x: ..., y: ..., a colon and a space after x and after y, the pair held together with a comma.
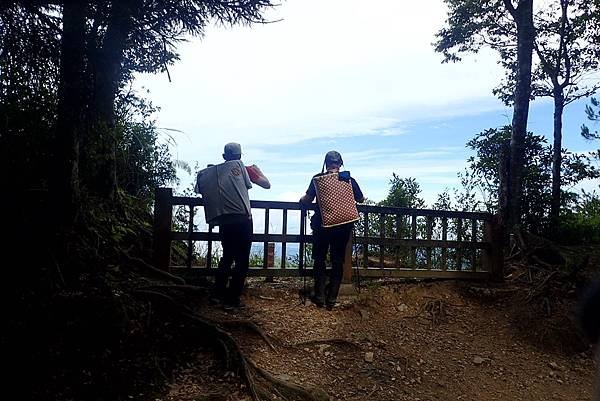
x: 565, y: 45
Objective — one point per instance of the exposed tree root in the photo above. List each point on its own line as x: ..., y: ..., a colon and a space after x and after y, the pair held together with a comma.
x: 288, y: 388
x: 177, y: 287
x: 251, y: 326
x: 157, y: 272
x: 540, y: 287
x: 262, y: 384
x: 336, y: 341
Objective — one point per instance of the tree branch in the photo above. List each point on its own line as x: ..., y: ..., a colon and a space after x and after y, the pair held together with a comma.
x: 511, y: 9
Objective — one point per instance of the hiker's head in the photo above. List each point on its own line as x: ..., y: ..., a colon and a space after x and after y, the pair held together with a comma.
x: 333, y: 159
x: 232, y: 151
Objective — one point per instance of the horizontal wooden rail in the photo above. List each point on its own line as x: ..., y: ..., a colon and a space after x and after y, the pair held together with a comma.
x: 433, y: 243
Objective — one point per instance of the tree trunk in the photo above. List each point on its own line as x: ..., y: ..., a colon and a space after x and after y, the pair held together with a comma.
x: 503, y: 167
x: 559, y: 104
x: 525, y: 36
x: 106, y: 67
x: 65, y: 191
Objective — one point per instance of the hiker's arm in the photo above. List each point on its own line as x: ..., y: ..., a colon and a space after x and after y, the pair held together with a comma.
x: 310, y: 194
x: 257, y: 177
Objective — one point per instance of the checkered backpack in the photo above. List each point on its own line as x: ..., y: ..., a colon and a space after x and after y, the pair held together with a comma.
x: 336, y: 200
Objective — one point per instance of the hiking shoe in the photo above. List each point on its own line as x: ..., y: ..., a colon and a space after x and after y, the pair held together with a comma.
x: 331, y: 306
x: 318, y: 303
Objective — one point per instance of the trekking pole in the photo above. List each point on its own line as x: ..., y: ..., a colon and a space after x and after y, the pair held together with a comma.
x: 301, y: 250
x: 304, y: 250
x: 355, y: 252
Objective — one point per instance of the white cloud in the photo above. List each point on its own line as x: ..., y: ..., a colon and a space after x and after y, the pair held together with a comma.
x: 329, y: 69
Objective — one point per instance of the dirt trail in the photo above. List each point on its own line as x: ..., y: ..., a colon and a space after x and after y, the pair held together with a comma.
x: 424, y: 341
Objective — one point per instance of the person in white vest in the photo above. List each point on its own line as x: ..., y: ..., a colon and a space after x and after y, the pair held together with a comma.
x: 224, y: 189
x: 333, y: 238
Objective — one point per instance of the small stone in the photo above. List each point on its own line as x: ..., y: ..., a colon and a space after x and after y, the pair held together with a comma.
x: 323, y: 347
x: 369, y: 356
x: 478, y: 360
x: 554, y: 366
x: 402, y: 307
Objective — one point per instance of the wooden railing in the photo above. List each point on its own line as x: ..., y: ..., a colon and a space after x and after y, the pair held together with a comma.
x: 388, y: 241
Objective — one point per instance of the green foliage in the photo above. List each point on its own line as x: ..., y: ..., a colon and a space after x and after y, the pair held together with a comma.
x: 567, y: 48
x: 472, y: 25
x: 593, y: 114
x: 483, y: 174
x: 444, y: 201
x: 28, y: 98
x: 403, y: 192
x: 582, y: 224
x: 143, y: 163
x: 256, y: 259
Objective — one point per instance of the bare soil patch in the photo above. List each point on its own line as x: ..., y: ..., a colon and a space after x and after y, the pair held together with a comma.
x: 391, y: 341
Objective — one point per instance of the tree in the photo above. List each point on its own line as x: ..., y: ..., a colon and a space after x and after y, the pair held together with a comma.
x: 473, y: 24
x: 567, y: 53
x: 28, y: 76
x: 143, y: 163
x: 72, y: 60
x: 484, y: 172
x: 101, y: 43
x: 403, y: 192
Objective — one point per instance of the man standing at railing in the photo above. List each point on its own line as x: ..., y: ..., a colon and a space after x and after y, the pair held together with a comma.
x: 224, y: 189
x: 335, y: 213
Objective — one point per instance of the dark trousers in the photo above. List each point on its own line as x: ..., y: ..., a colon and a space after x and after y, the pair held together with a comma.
x: 333, y: 239
x: 236, y: 239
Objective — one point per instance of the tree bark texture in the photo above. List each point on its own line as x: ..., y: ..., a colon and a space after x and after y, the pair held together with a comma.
x: 70, y: 124
x: 523, y: 16
x: 106, y: 64
x: 559, y: 104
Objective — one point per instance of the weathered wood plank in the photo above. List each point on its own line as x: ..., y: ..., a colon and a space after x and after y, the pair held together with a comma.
x: 404, y: 218
x: 372, y: 272
x: 260, y: 204
x: 266, y: 243
x: 284, y: 238
x: 190, y: 242
x: 163, y: 217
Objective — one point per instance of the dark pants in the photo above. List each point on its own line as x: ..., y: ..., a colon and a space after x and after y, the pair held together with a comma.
x: 236, y: 240
x: 335, y: 240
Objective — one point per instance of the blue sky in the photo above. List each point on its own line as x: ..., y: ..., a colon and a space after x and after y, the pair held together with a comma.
x: 338, y: 75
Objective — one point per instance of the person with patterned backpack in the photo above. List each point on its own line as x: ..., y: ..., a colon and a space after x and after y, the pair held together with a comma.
x: 335, y: 213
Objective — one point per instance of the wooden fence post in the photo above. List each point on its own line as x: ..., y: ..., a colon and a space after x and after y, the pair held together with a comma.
x: 163, y: 214
x: 494, y: 255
